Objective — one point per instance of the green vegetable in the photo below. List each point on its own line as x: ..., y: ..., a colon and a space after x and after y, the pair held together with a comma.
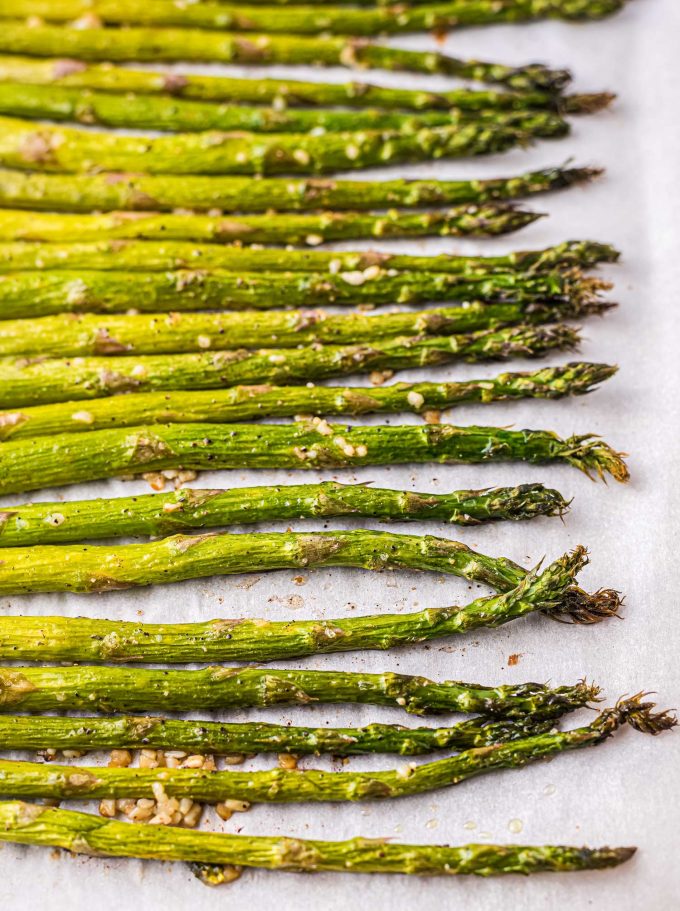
x: 153, y: 45
x: 81, y: 833
x: 303, y: 229
x: 123, y: 689
x: 166, y: 113
x: 242, y: 403
x: 553, y: 592
x: 34, y: 780
x: 88, y: 568
x: 33, y: 294
x: 73, y: 458
x: 311, y: 20
x: 71, y: 335
x: 146, y: 192
x: 27, y: 381
x: 33, y: 732
x: 76, y: 74
x: 39, y: 147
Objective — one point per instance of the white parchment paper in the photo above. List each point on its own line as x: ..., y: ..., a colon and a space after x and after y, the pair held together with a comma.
x: 625, y: 792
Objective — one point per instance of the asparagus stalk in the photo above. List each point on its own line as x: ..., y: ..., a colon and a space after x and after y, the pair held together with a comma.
x: 72, y: 458
x: 36, y: 293
x: 77, y: 639
x: 185, y: 509
x: 242, y: 403
x: 157, y: 112
x: 149, y: 256
x: 488, y: 220
x: 84, y: 834
x: 70, y: 335
x: 153, y: 45
x: 310, y: 20
x: 60, y: 149
x: 37, y: 780
x: 76, y: 74
x: 29, y: 732
x: 142, y: 192
x: 100, y: 568
x: 124, y: 689
x: 30, y: 381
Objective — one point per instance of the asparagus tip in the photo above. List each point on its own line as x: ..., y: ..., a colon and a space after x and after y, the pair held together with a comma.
x: 592, y: 456
x: 586, y: 377
x: 621, y: 855
x: 589, y: 103
x: 592, y: 692
x: 585, y: 288
x: 640, y: 716
x: 585, y: 609
x: 572, y: 176
x: 544, y: 78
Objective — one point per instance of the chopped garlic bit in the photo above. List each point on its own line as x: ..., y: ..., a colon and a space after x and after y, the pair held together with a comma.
x: 83, y: 417
x: 55, y: 519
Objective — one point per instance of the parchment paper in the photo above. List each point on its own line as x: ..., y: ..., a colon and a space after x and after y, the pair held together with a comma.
x: 625, y: 792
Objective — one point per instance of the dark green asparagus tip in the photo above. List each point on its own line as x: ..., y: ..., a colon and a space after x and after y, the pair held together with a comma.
x: 586, y: 608
x: 621, y: 855
x: 567, y: 177
x: 542, y: 78
x: 586, y: 377
x: 581, y: 607
x: 640, y: 716
x: 637, y: 714
x: 585, y: 103
x: 593, y: 457
x: 586, y: 253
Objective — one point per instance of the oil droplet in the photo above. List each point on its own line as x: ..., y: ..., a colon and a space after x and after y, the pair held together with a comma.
x: 484, y: 834
x: 470, y: 824
x: 431, y: 824
x: 515, y: 826
x: 549, y: 789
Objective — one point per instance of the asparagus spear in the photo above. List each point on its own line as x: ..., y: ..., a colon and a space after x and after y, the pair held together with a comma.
x: 75, y: 74
x: 70, y: 335
x: 26, y: 381
x: 155, y: 45
x: 39, y: 147
x: 142, y: 192
x: 77, y: 639
x: 81, y: 833
x: 37, y: 293
x: 36, y: 780
x: 29, y: 732
x: 156, y: 112
x: 309, y: 20
x: 72, y: 458
x: 79, y: 568
x: 185, y: 509
x: 242, y: 403
x: 124, y: 689
x: 487, y: 220
x: 149, y: 256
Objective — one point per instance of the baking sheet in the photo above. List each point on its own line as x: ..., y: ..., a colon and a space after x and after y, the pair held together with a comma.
x: 625, y: 792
